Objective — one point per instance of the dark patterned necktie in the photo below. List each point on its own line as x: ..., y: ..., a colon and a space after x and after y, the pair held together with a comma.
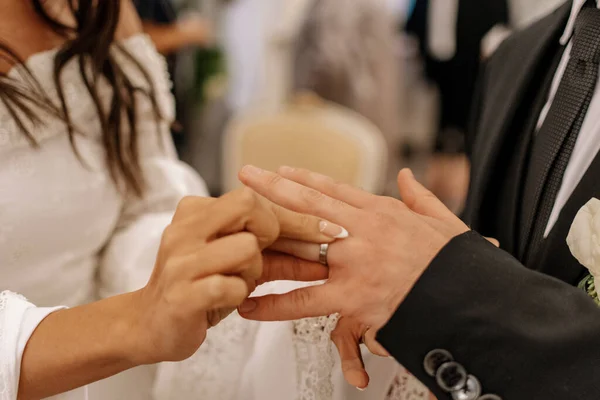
x: 554, y: 143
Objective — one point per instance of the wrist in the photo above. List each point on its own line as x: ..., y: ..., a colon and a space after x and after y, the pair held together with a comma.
x: 128, y: 334
x: 407, y: 279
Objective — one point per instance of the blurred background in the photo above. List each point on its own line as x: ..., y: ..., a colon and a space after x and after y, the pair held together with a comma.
x: 356, y: 89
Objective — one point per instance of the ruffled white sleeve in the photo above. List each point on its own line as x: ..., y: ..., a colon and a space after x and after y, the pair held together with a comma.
x: 18, y: 320
x: 128, y: 260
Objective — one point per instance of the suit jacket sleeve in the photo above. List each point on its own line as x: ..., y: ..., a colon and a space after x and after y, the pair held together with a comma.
x: 523, y: 334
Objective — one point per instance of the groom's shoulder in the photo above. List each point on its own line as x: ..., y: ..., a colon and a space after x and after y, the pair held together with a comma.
x: 521, y: 53
x: 539, y: 33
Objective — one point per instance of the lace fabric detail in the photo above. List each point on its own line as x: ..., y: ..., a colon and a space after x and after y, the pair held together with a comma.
x: 4, y: 395
x: 315, y: 357
x: 6, y: 391
x: 213, y: 372
x: 407, y: 387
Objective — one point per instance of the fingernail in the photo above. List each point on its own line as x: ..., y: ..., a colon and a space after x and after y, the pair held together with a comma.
x: 286, y: 170
x: 252, y: 170
x: 247, y: 306
x: 333, y: 230
x: 362, y: 390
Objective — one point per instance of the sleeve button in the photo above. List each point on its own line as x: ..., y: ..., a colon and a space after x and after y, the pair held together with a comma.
x: 451, y: 376
x: 434, y: 359
x: 470, y: 391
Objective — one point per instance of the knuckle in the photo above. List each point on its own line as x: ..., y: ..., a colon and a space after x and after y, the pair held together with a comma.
x: 169, y: 237
x: 294, y: 268
x: 383, y: 221
x: 305, y: 221
x: 421, y: 202
x: 282, y: 170
x: 337, y: 204
x: 359, y: 250
x: 217, y: 289
x: 311, y: 195
x: 246, y: 198
x: 174, y: 300
x: 248, y: 246
x: 337, y: 335
x: 185, y: 204
x: 389, y: 203
x: 303, y: 299
x: 274, y: 180
x: 343, y: 186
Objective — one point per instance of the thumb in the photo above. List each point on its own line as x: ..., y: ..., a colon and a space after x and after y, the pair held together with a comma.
x: 493, y: 241
x: 419, y: 199
x: 346, y: 338
x: 308, y: 302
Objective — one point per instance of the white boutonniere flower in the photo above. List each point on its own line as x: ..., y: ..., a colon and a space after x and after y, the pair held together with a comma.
x: 584, y: 242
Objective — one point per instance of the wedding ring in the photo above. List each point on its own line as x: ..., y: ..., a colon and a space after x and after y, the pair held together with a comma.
x: 323, y: 254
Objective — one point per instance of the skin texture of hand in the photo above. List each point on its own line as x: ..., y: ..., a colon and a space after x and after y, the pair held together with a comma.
x: 370, y: 273
x: 210, y: 260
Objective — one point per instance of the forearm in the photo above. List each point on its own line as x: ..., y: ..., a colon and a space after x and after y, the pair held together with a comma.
x: 524, y: 335
x: 168, y: 38
x: 72, y: 348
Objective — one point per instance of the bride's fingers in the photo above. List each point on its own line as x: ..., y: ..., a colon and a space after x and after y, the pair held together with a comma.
x: 370, y: 340
x: 347, y: 340
x: 303, y: 250
x: 281, y: 267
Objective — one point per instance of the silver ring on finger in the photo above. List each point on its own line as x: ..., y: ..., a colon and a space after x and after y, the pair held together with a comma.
x: 323, y: 249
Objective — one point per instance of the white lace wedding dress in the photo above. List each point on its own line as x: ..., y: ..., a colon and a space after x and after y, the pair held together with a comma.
x: 246, y: 360
x: 67, y: 236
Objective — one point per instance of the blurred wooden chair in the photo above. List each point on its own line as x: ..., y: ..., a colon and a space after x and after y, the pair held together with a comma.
x: 308, y: 133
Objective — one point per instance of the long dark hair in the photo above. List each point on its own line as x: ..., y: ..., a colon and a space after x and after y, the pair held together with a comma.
x: 89, y: 42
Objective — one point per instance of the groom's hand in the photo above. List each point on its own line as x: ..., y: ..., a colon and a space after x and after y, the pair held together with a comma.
x: 391, y: 244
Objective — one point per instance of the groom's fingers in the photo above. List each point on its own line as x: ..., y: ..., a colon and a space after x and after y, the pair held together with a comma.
x: 309, y: 302
x: 326, y: 185
x: 281, y: 267
x: 296, y: 197
x: 347, y: 338
x: 370, y: 339
x: 493, y: 241
x: 419, y: 199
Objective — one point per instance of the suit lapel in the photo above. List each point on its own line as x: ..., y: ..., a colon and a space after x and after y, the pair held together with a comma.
x: 506, y: 84
x: 554, y: 257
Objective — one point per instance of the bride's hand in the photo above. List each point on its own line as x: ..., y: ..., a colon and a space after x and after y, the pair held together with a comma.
x: 209, y: 261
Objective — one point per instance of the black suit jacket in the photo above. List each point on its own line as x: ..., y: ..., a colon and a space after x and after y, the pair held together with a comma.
x: 525, y: 331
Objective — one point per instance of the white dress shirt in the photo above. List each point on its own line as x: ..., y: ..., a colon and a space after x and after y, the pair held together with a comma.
x: 588, y: 141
